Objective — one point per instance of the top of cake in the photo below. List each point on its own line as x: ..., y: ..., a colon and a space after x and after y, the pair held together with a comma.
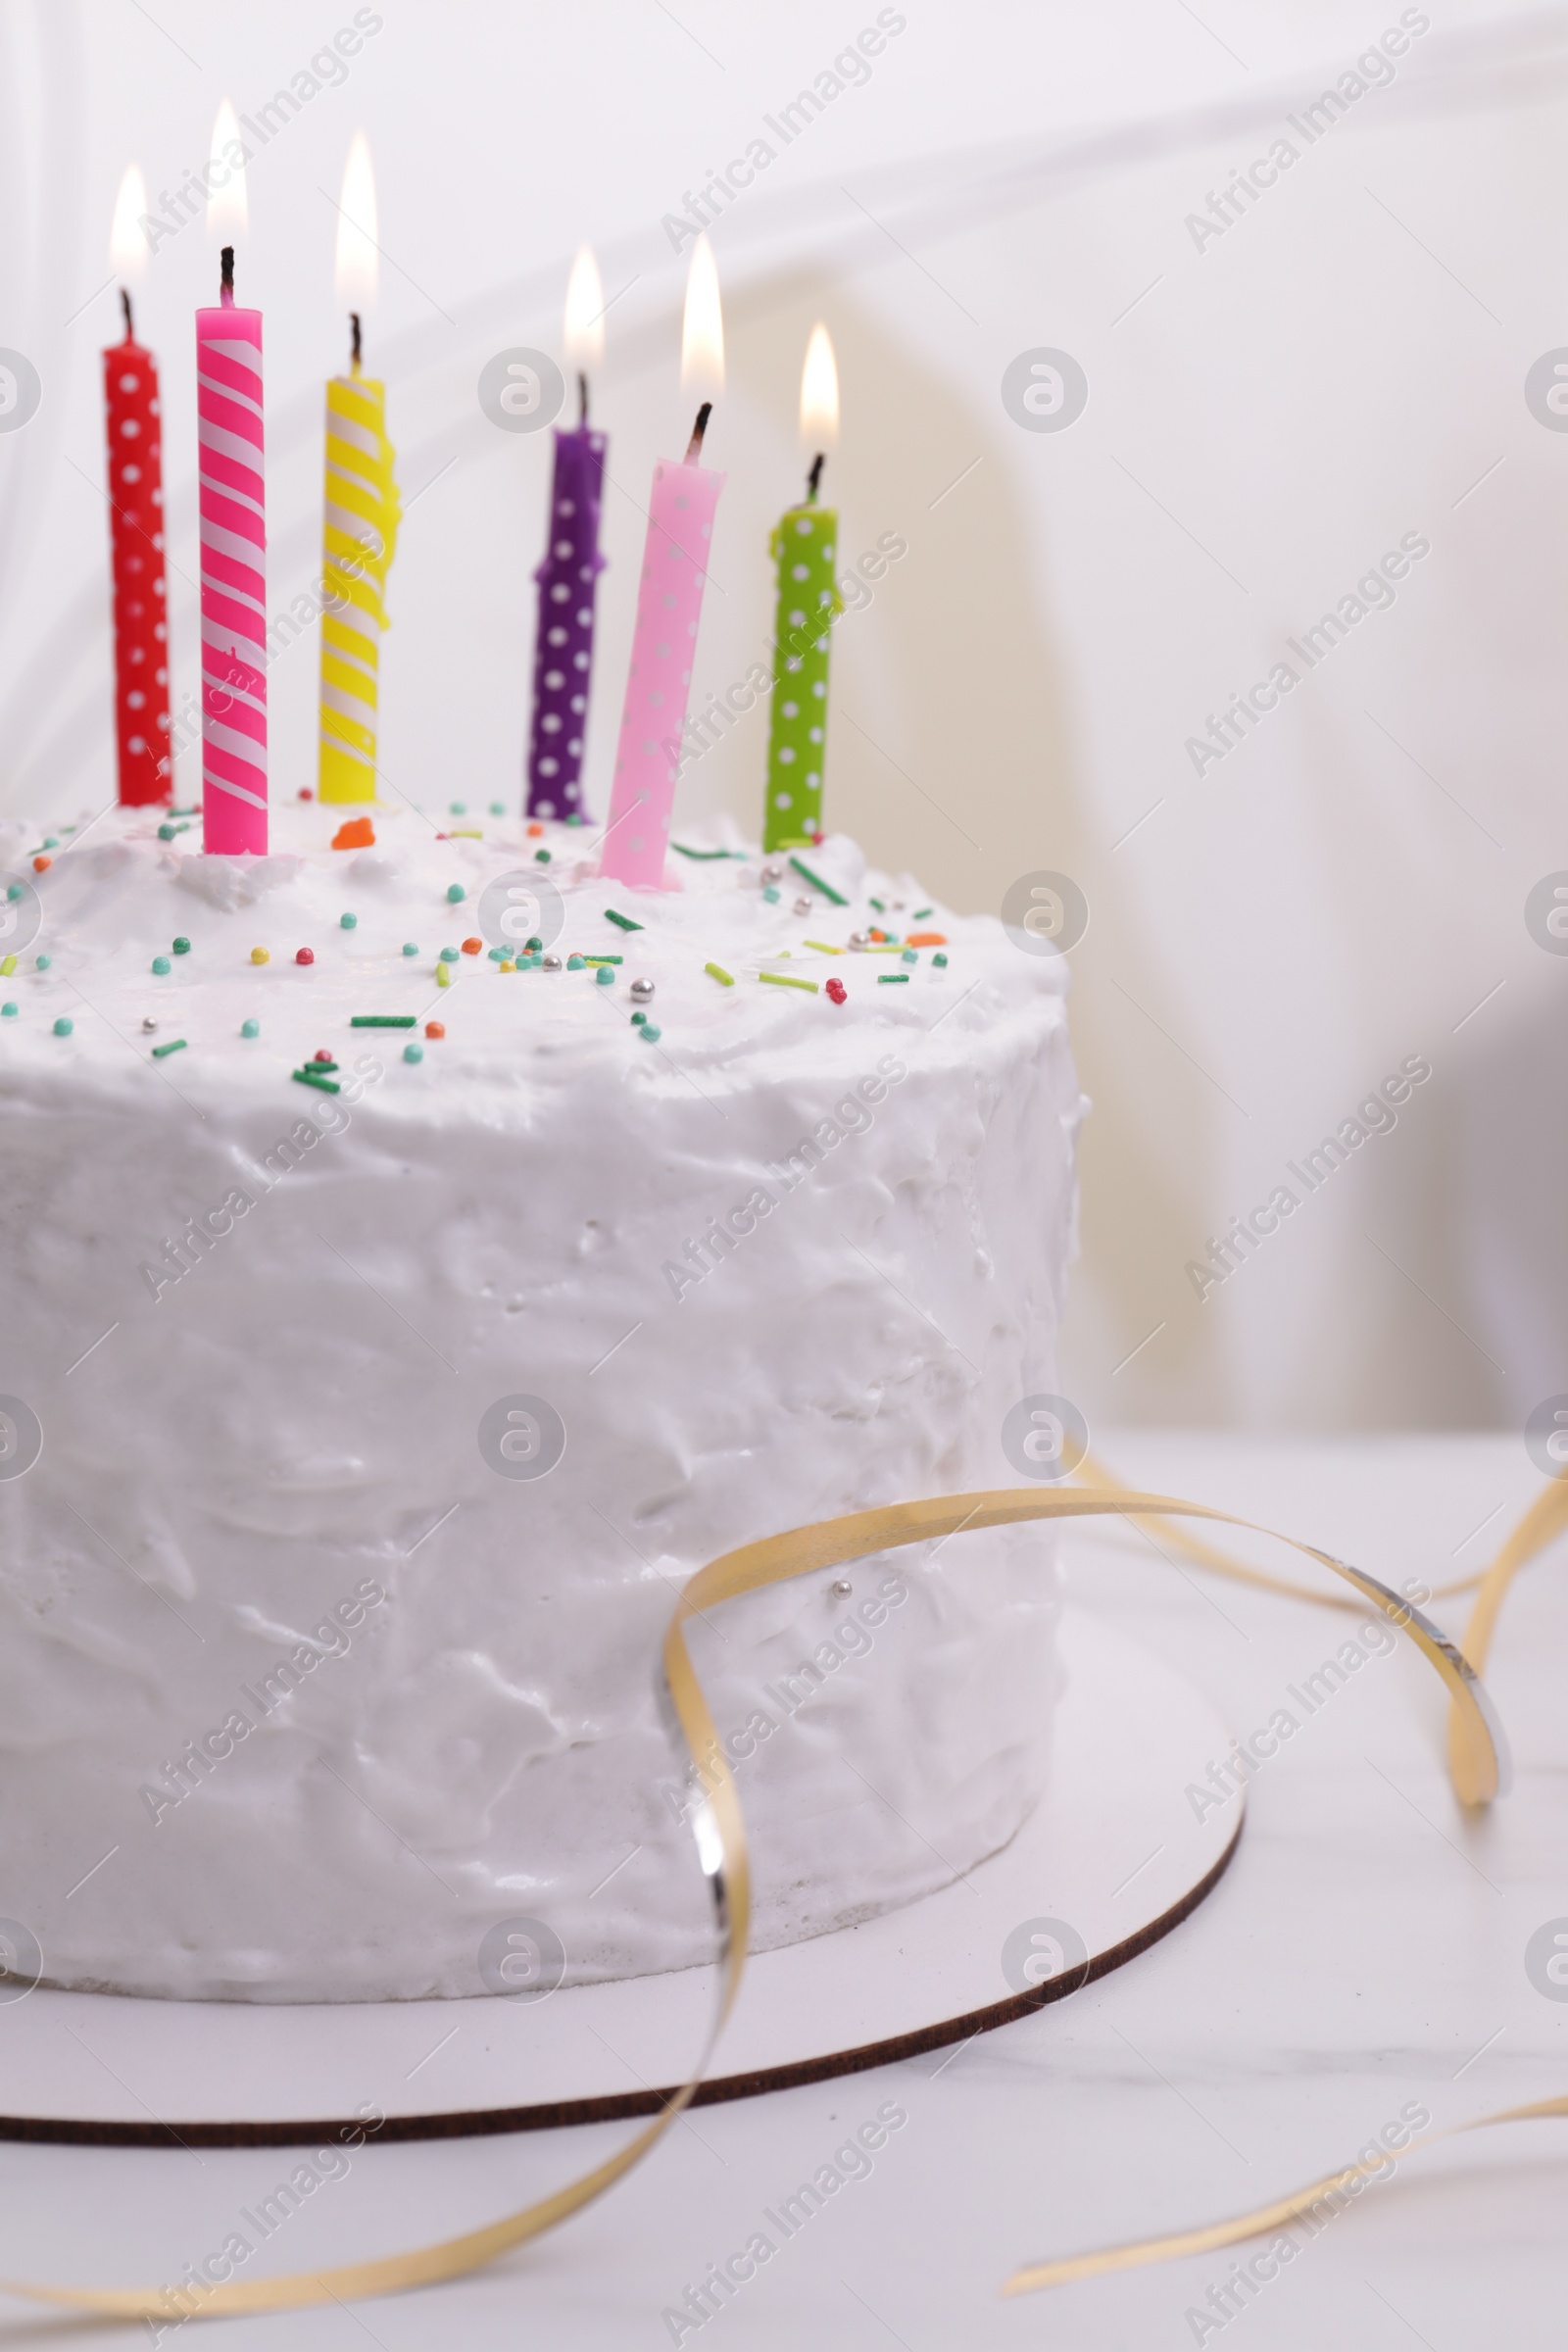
x: 227, y: 976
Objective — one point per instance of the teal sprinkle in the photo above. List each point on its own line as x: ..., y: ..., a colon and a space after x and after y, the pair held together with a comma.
x: 411, y: 946
x: 65, y: 1025
x: 45, y: 961
x: 168, y: 832
x: 348, y: 922
x: 575, y: 818
x: 456, y: 894
x: 649, y: 1034
x: 498, y: 807
x: 575, y: 964
x: 459, y: 807
x: 940, y: 958
x: 448, y: 954
x: 250, y: 1028
x: 497, y: 954
x: 8, y: 1012
x: 541, y: 857
x: 51, y: 840
x: 161, y: 964
x: 622, y: 922
x: 893, y: 979
x: 604, y: 974
x: 15, y: 891
x: 911, y: 955
x: 413, y: 1052
x: 770, y: 893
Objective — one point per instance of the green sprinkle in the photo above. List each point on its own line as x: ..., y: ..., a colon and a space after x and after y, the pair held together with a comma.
x: 532, y: 944
x: 16, y: 890
x: 175, y: 1046
x: 921, y: 912
x: 877, y: 904
x: 623, y: 921
x: 817, y: 883
x: 194, y: 810
x: 575, y: 964
x: 43, y: 962
x: 498, y: 807
x: 182, y: 945
x: 448, y: 954
x: 348, y: 922
x: 787, y: 980
x: 575, y: 818
x: 329, y: 1086
x: 884, y: 979
x: 250, y: 1028
x: 413, y: 1052
x: 160, y: 965
x: 456, y: 894
x: 911, y: 955
x: 51, y: 840
x: 637, y: 1019
x: 382, y: 1020
x: 65, y: 1025
x: 604, y: 975
x: 541, y: 857
x: 940, y: 958
x: 821, y: 946
x: 168, y: 832
x: 459, y: 808
x: 725, y: 979
x: 684, y: 852
x: 649, y: 1034
x: 411, y: 946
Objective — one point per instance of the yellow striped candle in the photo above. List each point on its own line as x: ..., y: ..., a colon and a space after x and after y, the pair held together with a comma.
x: 363, y: 512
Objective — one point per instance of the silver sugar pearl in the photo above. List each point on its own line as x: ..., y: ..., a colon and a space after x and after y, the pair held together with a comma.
x: 552, y: 963
x: 641, y: 991
x: 773, y: 870
x: 859, y: 939
x: 841, y: 1591
x: 149, y: 1022
x: 802, y: 905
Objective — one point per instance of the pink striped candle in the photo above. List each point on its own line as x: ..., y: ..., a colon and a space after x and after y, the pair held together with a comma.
x: 670, y: 605
x: 234, y: 565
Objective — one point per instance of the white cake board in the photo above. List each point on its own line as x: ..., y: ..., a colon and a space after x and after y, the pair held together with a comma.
x: 1113, y: 1849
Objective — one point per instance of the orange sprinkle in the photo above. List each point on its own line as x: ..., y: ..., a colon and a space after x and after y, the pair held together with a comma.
x: 471, y: 946
x: 534, y: 832
x: 435, y: 1028
x: 358, y: 834
x: 926, y: 939
x: 874, y: 933
x: 40, y: 863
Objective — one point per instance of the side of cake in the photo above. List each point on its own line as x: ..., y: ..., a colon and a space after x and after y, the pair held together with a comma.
x: 381, y: 1413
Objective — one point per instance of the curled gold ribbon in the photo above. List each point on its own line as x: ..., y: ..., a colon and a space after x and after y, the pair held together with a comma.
x: 1479, y: 1758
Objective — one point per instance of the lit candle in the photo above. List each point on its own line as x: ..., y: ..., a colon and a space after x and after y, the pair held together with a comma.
x: 232, y: 505
x: 568, y: 575
x: 363, y: 512
x: 802, y: 546
x: 132, y: 412
x: 669, y: 604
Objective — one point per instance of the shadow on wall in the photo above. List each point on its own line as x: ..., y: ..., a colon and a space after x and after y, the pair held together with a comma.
x: 951, y: 752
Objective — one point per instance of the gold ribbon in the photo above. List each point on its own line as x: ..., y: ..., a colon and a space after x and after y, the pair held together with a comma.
x: 1477, y: 1760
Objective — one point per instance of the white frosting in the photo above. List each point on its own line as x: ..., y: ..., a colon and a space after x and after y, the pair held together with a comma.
x: 261, y: 1447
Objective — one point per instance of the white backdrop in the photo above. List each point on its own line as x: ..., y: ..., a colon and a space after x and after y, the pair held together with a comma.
x: 1271, y: 409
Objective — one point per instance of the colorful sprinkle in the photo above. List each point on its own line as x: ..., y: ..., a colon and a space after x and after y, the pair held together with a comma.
x: 8, y: 965
x: 358, y: 834
x: 817, y: 883
x: 413, y: 1051
x: 498, y: 955
x: 459, y: 808
x: 575, y: 964
x: 305, y: 954
x: 260, y: 955
x: 348, y: 922
x: 604, y: 975
x: 250, y: 1028
x: 42, y: 963
x: 921, y: 912
x: 306, y: 1077
x: 456, y: 894
x: 16, y: 890
x: 448, y: 955
x: 162, y: 964
x: 650, y: 1034
x: 686, y: 852
x: 889, y: 979
x: 637, y: 1019
x: 65, y: 1025
x: 541, y: 857
x: 787, y: 980
x: 498, y: 807
x: 718, y: 972
x: 925, y: 939
x: 821, y: 946
x: 7, y: 1011
x: 466, y: 833
x: 175, y: 1044
x: 836, y: 990
x: 940, y: 961
x: 382, y: 1020
x: 435, y: 1028
x: 909, y: 956
x: 41, y: 866
x: 534, y: 831
x: 603, y: 959
x: 506, y: 964
x: 181, y: 945
x: 323, y: 1054
x: 51, y: 840
x: 166, y: 832
x: 622, y: 922
x: 471, y: 946
x: 443, y: 975
x: 411, y: 946
x: 770, y: 895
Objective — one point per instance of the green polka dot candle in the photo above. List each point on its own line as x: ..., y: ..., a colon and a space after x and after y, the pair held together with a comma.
x: 803, y: 546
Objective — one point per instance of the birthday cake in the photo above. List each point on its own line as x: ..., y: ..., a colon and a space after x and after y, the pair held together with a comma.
x: 419, y: 1255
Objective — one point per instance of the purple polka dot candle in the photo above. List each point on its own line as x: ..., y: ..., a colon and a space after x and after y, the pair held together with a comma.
x: 563, y: 644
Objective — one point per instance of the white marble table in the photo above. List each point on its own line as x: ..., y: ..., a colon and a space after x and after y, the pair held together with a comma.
x: 1365, y: 1950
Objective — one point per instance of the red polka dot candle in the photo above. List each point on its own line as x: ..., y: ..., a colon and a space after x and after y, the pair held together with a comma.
x: 234, y: 560
x: 135, y: 474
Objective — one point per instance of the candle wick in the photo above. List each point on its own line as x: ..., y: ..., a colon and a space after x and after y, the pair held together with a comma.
x: 125, y: 304
x: 227, y: 288
x: 354, y: 324
x: 582, y: 401
x: 814, y: 480
x: 694, y: 447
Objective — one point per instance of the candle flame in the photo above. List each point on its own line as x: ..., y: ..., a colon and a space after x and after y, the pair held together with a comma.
x: 819, y: 393
x: 127, y: 239
x: 583, y: 331
x: 357, y: 254
x: 227, y: 213
x: 701, y: 340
